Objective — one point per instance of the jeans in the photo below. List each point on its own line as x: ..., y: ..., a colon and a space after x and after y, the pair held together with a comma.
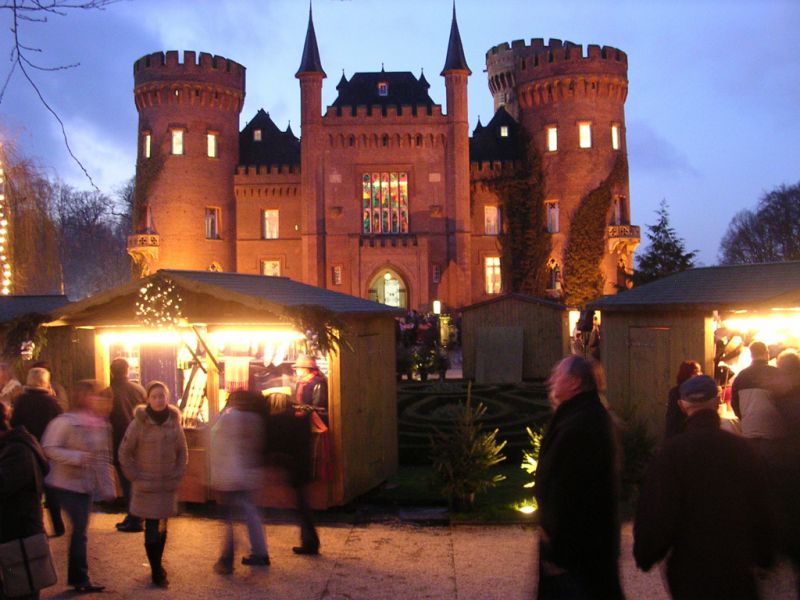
x: 78, y: 507
x: 239, y: 505
x: 54, y: 508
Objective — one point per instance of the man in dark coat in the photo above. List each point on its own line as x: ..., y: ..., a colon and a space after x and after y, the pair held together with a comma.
x: 125, y: 396
x: 34, y: 408
x: 577, y: 489
x: 704, y: 504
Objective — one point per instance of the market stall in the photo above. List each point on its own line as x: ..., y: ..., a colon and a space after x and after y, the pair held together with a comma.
x: 707, y: 314
x: 208, y: 334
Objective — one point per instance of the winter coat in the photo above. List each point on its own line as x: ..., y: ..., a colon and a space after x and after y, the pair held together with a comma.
x: 125, y: 397
x: 154, y: 458
x: 753, y: 402
x: 78, y: 445
x: 34, y: 409
x: 704, y: 503
x: 577, y: 489
x: 237, y: 451
x: 20, y: 485
x: 314, y: 392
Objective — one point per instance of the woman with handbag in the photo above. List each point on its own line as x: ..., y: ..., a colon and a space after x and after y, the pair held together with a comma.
x: 153, y: 455
x: 78, y: 444
x: 22, y: 466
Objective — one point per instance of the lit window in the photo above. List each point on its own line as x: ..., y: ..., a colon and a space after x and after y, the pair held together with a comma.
x: 504, y: 131
x: 492, y: 273
x: 491, y: 220
x: 615, y: 137
x: 212, y: 145
x: 384, y: 202
x: 177, y: 141
x: 383, y: 88
x: 271, y: 268
x: 212, y: 223
x: 146, y: 145
x: 552, y: 139
x: 551, y: 206
x: 269, y: 230
x: 585, y: 135
x: 256, y: 135
x: 336, y: 275
x: 437, y: 273
x: 554, y: 275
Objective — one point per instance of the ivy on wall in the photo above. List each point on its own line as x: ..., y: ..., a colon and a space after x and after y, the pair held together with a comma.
x: 524, y: 242
x: 583, y: 280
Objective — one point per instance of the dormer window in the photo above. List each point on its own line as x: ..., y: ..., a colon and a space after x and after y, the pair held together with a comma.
x: 504, y: 131
x: 383, y: 88
x: 256, y: 135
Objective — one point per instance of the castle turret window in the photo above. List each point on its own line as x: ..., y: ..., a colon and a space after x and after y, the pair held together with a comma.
x: 147, y: 140
x: 551, y: 207
x: 177, y: 141
x: 384, y: 202
x: 270, y: 224
x: 552, y: 138
x: 383, y: 88
x: 256, y: 135
x: 492, y: 224
x: 271, y: 267
x: 212, y: 222
x: 336, y: 275
x: 211, y: 145
x: 504, y: 131
x: 491, y: 269
x: 585, y: 134
x: 615, y: 137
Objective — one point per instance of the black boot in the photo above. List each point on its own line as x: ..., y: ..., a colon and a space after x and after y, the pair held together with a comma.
x: 154, y: 552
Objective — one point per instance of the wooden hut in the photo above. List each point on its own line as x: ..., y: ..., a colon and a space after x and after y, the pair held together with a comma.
x: 206, y: 334
x: 649, y: 330
x: 513, y: 337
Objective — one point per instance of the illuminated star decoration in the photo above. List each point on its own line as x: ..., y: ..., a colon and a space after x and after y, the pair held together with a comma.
x: 5, y: 260
x: 159, y: 304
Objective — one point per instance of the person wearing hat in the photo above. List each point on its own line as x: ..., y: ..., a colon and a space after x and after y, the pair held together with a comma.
x: 34, y: 408
x: 312, y: 386
x: 704, y: 505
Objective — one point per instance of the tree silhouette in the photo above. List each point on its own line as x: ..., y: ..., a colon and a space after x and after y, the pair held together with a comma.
x: 666, y: 253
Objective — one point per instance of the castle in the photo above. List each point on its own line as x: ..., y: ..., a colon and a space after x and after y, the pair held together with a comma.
x: 387, y: 196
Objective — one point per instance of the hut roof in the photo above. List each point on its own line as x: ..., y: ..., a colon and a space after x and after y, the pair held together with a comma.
x: 12, y: 307
x: 516, y: 296
x: 730, y: 287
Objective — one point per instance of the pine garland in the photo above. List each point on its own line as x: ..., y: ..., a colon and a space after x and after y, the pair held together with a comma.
x: 583, y: 280
x: 325, y: 331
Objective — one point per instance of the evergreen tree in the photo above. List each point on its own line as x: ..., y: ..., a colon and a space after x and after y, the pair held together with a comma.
x: 666, y: 253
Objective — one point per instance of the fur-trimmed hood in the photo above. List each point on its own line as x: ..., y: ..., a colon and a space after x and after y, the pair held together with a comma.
x: 140, y: 413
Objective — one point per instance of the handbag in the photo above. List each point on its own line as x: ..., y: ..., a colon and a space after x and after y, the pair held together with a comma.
x: 26, y: 566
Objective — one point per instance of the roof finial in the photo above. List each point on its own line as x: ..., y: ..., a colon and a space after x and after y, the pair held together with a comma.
x: 455, y: 61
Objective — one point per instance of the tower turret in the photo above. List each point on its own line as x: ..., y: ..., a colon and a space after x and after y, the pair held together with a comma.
x: 188, y: 153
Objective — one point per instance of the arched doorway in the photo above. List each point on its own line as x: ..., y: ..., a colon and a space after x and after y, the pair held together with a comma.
x: 387, y: 287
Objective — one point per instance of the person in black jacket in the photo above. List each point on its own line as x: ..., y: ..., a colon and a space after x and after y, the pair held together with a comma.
x: 705, y: 506
x: 34, y: 408
x: 577, y: 489
x: 22, y: 468
x: 675, y: 418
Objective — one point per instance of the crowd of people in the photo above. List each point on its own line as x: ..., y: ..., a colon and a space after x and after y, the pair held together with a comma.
x: 133, y: 436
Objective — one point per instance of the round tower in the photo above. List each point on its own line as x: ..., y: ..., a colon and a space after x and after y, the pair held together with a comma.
x: 187, y: 157
x: 572, y: 105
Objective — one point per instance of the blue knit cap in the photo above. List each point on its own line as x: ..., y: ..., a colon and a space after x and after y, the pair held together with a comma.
x: 699, y: 388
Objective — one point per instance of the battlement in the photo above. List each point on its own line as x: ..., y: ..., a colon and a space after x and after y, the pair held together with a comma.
x: 479, y: 170
x: 254, y: 170
x: 194, y: 68
x: 378, y: 112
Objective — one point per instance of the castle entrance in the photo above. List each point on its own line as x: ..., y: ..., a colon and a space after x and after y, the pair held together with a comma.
x: 389, y: 288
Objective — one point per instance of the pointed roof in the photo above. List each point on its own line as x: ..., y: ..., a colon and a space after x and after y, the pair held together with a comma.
x: 310, y: 63
x: 488, y: 144
x: 455, y: 61
x: 275, y: 147
x: 423, y: 81
x: 404, y: 89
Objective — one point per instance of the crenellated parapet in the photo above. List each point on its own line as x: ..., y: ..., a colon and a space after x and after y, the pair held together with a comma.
x: 361, y: 113
x: 197, y: 81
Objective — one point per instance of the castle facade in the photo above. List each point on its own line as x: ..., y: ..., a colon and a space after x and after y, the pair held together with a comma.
x: 386, y: 196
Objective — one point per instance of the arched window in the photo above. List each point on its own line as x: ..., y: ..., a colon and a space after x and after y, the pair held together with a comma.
x: 387, y: 287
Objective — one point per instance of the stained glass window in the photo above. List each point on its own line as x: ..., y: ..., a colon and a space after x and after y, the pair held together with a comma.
x: 384, y: 202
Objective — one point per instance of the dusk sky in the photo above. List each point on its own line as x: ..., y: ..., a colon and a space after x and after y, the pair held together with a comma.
x: 712, y: 110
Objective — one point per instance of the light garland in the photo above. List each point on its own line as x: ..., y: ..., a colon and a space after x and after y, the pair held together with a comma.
x: 5, y: 243
x: 159, y: 304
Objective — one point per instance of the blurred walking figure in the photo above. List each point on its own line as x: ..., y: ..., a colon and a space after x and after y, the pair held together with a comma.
x: 78, y: 444
x: 153, y: 455
x: 10, y: 387
x: 34, y: 408
x: 237, y: 456
x: 125, y: 397
x: 704, y: 506
x: 577, y: 488
x: 676, y: 418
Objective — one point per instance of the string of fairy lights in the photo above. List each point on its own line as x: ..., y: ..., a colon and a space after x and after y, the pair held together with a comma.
x: 159, y: 304
x: 5, y: 259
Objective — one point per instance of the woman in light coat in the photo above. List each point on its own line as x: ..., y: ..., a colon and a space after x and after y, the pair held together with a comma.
x: 153, y: 456
x: 78, y: 445
x: 237, y: 450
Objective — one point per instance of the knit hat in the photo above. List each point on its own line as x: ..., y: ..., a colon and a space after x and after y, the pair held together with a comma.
x: 38, y: 379
x: 698, y: 389
x: 305, y: 362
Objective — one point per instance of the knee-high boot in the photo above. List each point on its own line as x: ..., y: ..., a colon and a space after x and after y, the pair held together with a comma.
x: 155, y: 551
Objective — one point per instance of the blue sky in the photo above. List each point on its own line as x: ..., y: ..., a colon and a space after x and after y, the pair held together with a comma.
x: 711, y: 116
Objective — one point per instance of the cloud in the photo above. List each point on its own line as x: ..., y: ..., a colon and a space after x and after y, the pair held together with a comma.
x: 649, y: 151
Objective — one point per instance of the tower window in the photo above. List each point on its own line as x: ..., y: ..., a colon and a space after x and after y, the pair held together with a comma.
x: 270, y: 228
x: 271, y: 267
x: 491, y: 220
x: 384, y: 202
x: 552, y: 139
x: 436, y: 272
x: 146, y: 145
x: 491, y: 269
x: 212, y: 222
x: 551, y: 207
x: 615, y: 137
x: 585, y: 135
x: 383, y: 88
x: 177, y: 141
x: 256, y: 135
x: 211, y: 145
x: 504, y: 131
x: 336, y: 275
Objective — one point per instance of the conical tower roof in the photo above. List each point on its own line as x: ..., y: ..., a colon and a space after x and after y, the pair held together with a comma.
x: 455, y: 61
x: 310, y: 63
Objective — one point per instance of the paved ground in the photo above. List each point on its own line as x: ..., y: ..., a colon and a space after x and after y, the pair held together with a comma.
x: 372, y: 561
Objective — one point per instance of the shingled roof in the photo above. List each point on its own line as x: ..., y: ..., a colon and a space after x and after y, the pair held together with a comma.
x: 766, y: 285
x: 275, y: 148
x: 402, y: 89
x: 455, y: 60
x: 487, y: 144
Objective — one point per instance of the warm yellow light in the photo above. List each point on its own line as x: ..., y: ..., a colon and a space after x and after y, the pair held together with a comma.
x: 527, y: 510
x: 774, y: 329
x: 145, y: 336
x: 224, y: 337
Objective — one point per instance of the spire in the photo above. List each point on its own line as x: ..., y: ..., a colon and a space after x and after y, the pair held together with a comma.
x: 424, y: 81
x: 310, y: 63
x: 455, y: 61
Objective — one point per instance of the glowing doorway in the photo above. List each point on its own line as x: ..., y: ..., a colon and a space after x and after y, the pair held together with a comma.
x: 388, y: 288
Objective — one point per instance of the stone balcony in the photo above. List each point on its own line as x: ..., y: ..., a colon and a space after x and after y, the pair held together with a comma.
x: 623, y: 238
